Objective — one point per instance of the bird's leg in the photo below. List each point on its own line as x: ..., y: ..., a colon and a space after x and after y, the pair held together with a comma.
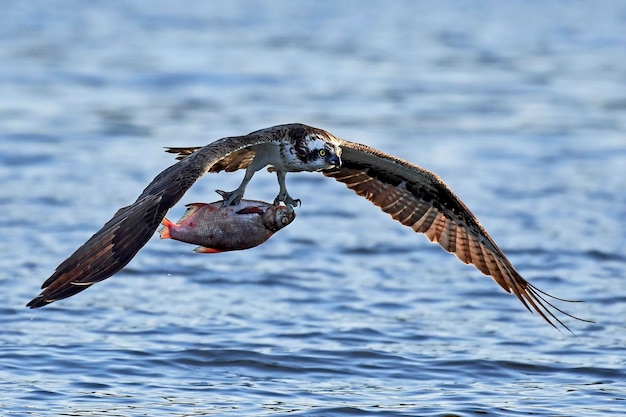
x: 283, y: 195
x: 234, y: 197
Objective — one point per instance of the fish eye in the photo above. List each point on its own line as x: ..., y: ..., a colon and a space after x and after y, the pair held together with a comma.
x: 284, y: 220
x: 322, y: 152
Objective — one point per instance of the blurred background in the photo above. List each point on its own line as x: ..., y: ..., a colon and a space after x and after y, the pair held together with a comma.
x: 519, y: 106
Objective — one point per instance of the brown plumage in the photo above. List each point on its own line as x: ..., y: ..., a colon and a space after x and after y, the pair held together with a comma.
x: 413, y: 196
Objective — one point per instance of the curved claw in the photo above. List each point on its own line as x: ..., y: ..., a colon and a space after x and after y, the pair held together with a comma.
x: 293, y: 202
x: 230, y: 198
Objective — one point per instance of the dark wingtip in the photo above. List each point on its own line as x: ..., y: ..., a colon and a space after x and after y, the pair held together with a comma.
x: 37, y: 302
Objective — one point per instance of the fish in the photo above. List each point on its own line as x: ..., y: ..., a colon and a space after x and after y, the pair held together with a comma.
x: 219, y: 228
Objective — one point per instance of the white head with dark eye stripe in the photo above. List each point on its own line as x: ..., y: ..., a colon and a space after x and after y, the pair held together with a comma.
x: 314, y: 153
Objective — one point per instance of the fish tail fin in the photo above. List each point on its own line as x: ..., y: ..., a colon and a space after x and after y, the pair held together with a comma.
x: 203, y: 249
x: 165, y: 232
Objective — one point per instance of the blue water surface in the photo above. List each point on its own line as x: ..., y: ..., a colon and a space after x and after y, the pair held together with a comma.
x: 519, y: 106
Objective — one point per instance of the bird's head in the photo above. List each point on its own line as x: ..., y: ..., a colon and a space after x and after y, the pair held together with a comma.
x: 318, y: 151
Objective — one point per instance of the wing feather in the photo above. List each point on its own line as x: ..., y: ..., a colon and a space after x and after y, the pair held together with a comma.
x: 447, y: 239
x: 462, y: 249
x: 119, y: 240
x: 419, y: 199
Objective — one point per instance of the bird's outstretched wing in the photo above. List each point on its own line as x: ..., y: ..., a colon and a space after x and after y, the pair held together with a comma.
x: 119, y: 240
x: 419, y: 199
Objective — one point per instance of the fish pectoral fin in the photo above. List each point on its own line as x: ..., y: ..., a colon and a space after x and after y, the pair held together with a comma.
x: 203, y: 249
x: 250, y: 210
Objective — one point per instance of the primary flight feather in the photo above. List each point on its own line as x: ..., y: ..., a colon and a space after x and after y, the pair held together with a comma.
x: 413, y: 196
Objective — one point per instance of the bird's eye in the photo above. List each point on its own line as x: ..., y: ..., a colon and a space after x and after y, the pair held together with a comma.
x: 322, y: 152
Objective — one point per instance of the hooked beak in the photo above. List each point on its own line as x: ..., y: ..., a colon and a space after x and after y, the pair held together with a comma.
x: 333, y: 160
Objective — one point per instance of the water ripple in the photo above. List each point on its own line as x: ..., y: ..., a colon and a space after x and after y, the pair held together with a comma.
x: 343, y: 313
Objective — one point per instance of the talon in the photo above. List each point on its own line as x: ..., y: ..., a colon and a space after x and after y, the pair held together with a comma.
x: 230, y: 198
x: 293, y: 202
x: 223, y: 194
x: 286, y: 198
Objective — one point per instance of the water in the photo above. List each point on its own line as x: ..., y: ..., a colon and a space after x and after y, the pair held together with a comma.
x: 519, y: 106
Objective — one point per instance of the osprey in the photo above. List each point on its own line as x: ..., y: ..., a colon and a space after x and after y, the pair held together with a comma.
x: 413, y: 196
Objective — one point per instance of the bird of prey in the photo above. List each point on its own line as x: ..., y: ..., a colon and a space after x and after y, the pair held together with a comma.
x: 413, y: 196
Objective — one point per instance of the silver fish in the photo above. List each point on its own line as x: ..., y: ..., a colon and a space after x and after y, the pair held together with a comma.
x: 219, y: 228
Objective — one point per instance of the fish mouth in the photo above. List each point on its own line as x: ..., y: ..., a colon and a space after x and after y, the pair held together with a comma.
x: 285, y: 216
